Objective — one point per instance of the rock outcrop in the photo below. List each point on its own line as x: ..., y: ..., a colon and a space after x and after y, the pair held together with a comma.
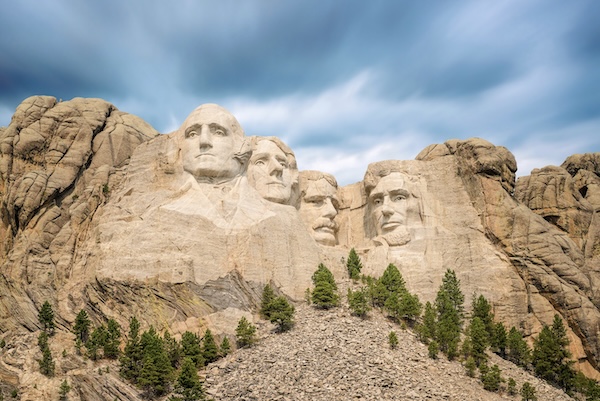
x: 100, y: 212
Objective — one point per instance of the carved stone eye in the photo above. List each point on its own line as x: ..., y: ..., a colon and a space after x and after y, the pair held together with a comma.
x: 220, y: 132
x: 260, y: 162
x: 192, y: 134
x: 398, y: 198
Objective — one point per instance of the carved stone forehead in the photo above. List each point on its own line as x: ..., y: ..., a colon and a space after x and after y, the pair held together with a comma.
x: 213, y: 113
x: 307, y: 177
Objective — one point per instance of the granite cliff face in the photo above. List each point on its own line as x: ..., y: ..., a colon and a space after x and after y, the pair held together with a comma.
x: 100, y: 212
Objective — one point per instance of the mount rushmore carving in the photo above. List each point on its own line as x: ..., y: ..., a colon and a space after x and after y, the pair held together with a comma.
x: 101, y: 212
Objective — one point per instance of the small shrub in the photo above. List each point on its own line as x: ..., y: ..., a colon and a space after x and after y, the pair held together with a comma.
x: 512, y: 386
x: 470, y: 366
x: 492, y: 379
x: 393, y: 340
x: 528, y: 392
x: 225, y: 347
x: 64, y: 390
x: 433, y: 348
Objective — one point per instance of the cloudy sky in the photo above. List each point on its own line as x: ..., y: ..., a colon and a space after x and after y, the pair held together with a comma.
x: 344, y: 83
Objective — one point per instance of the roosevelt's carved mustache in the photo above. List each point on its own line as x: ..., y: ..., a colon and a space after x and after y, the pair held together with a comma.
x: 325, y: 223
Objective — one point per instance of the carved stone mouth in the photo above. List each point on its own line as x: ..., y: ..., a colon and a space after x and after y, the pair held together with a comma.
x: 325, y: 229
x: 390, y: 225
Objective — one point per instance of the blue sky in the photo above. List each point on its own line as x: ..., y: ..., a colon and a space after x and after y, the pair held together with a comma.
x: 344, y: 83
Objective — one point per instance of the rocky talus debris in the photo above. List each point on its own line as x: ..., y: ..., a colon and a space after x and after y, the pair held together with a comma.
x: 332, y: 355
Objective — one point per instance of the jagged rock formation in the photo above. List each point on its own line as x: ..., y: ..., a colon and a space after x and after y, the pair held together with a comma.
x: 99, y: 212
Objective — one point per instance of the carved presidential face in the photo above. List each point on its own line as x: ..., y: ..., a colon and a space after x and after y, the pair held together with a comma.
x: 389, y: 202
x: 270, y: 173
x: 318, y: 208
x: 211, y: 138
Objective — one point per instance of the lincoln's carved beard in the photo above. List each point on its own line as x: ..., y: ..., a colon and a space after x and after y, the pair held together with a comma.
x: 400, y: 236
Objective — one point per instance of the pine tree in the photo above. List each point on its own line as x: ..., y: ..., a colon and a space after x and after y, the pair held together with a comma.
x: 528, y: 392
x: 448, y: 325
x: 132, y: 358
x: 156, y: 373
x: 433, y: 349
x: 64, y: 390
x: 113, y: 340
x: 245, y: 333
x: 225, y: 347
x: 324, y: 295
x: 353, y: 265
x: 492, y: 379
x: 191, y: 347
x: 46, y: 318
x: 282, y: 314
x: 210, y: 351
x: 173, y: 349
x: 188, y: 386
x: 267, y: 298
x: 82, y: 326
x: 97, y: 340
x: 358, y: 302
x: 483, y: 310
x: 550, y: 356
x: 427, y: 330
x: 499, y: 340
x: 393, y: 340
x: 470, y: 366
x: 46, y: 363
x: 518, y: 350
x: 449, y: 305
x: 478, y: 337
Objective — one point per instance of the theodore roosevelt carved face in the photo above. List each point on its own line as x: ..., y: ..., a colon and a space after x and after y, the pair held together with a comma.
x: 272, y: 169
x: 211, y: 141
x: 319, y: 205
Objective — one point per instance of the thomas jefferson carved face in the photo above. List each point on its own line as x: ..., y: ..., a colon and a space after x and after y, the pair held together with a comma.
x: 318, y: 208
x: 389, y: 202
x: 271, y: 172
x: 211, y: 138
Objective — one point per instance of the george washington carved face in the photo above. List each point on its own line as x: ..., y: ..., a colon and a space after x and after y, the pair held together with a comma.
x: 211, y: 139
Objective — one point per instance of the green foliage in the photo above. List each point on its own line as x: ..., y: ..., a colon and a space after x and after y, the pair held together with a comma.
x: 173, y: 349
x: 492, y: 379
x: 518, y: 351
x: 512, y: 387
x: 499, y: 340
x: 483, y: 310
x: 324, y: 295
x: 113, y: 340
x: 282, y: 314
x: 268, y: 296
x: 64, y: 390
x: 81, y: 329
x: 393, y: 340
x: 448, y: 325
x: 433, y: 349
x: 586, y: 386
x: 307, y: 296
x: 225, y: 347
x: 46, y: 363
x: 188, y: 386
x: 449, y: 305
x: 46, y: 318
x: 427, y: 330
x: 550, y: 357
x: 528, y: 392
x: 478, y: 337
x: 96, y: 340
x: 2, y: 343
x: 14, y: 393
x: 210, y: 351
x: 358, y: 301
x: 353, y: 265
x: 191, y: 347
x: 131, y: 360
x: 470, y: 366
x: 43, y: 340
x: 156, y: 373
x: 245, y: 333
